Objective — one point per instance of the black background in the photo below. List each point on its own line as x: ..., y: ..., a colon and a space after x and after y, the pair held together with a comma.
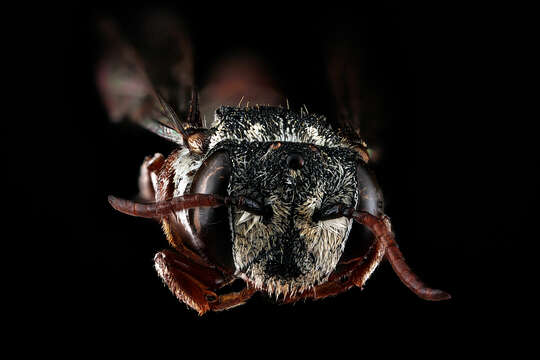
x: 424, y: 64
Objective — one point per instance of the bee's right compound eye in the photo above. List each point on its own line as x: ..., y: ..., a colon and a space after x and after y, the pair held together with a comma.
x: 212, y: 224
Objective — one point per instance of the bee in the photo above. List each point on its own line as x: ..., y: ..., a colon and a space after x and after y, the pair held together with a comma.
x: 270, y: 196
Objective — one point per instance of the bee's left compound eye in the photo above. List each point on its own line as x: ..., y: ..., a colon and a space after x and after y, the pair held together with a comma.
x: 370, y: 200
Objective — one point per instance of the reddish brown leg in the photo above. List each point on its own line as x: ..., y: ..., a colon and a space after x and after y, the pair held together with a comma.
x: 148, y: 177
x: 194, y: 282
x: 381, y: 228
x: 233, y: 299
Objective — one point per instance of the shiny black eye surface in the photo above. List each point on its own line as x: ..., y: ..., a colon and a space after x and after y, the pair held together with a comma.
x: 211, y: 225
x: 370, y: 197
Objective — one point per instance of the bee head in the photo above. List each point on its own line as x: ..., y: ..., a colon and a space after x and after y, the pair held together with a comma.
x: 286, y: 243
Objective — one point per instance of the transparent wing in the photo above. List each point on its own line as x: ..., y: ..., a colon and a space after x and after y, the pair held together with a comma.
x: 128, y: 91
x: 357, y: 106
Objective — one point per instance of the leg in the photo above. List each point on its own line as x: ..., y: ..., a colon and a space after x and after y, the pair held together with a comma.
x: 195, y: 282
x: 148, y: 176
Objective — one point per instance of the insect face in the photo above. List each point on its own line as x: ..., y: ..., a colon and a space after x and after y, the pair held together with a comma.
x: 288, y: 248
x: 276, y: 197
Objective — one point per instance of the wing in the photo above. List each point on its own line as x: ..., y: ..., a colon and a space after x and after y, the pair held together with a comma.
x: 128, y: 91
x: 357, y: 106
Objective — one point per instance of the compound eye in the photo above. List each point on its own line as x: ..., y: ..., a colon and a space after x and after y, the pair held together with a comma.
x: 370, y: 197
x: 211, y: 225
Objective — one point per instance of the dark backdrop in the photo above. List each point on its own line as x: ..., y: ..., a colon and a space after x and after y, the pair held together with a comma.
x: 418, y: 63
